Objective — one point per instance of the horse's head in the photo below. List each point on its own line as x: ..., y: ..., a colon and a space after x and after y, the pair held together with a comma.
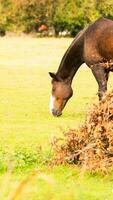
x: 61, y: 92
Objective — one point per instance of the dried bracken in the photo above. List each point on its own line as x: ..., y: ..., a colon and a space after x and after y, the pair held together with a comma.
x: 91, y: 146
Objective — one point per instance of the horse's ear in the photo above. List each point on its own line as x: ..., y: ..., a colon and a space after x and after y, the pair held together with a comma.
x: 53, y: 75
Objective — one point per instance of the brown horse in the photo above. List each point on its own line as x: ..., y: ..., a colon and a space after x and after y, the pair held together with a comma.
x: 93, y: 46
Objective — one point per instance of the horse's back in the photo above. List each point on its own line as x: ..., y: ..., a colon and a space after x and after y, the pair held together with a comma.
x: 98, y: 41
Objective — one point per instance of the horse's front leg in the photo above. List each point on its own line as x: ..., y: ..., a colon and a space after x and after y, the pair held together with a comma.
x: 101, y: 75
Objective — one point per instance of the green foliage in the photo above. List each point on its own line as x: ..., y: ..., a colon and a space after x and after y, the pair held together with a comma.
x: 5, y: 16
x: 23, y: 157
x: 27, y: 16
x: 64, y: 15
x: 89, y: 11
x: 106, y: 8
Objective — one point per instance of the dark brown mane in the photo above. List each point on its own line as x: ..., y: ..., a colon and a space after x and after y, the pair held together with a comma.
x: 68, y: 63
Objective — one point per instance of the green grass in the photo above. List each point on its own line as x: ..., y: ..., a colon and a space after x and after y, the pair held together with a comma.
x: 64, y: 182
x: 26, y: 124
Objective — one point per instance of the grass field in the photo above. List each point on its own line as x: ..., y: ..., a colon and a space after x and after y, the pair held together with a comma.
x: 26, y: 126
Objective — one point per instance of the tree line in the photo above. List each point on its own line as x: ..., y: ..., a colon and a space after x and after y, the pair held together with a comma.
x: 57, y: 15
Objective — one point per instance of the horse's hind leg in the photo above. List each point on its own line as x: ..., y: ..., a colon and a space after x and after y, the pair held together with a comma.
x: 101, y: 75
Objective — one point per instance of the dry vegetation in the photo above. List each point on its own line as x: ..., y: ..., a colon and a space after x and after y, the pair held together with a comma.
x: 91, y: 146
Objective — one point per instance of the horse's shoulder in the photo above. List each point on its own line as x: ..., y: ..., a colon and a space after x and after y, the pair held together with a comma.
x: 100, y: 25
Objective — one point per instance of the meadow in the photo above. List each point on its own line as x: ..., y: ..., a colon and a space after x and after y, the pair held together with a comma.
x: 26, y: 125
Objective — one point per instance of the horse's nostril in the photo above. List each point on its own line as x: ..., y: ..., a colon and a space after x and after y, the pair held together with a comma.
x: 56, y: 113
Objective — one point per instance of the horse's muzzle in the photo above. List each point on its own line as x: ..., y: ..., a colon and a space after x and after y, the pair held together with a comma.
x: 56, y: 113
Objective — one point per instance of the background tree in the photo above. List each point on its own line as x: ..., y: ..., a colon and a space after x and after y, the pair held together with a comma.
x: 71, y: 15
x: 105, y: 8
x: 64, y: 15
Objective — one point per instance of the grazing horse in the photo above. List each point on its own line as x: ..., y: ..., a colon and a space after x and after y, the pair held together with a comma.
x: 93, y: 46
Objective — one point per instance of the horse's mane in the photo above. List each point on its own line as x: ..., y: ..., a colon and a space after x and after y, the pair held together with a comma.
x: 77, y: 37
x: 76, y: 40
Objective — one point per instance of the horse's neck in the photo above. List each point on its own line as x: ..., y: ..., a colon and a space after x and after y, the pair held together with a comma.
x: 72, y: 59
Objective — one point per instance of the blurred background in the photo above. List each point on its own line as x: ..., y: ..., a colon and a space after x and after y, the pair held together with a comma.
x: 49, y: 17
